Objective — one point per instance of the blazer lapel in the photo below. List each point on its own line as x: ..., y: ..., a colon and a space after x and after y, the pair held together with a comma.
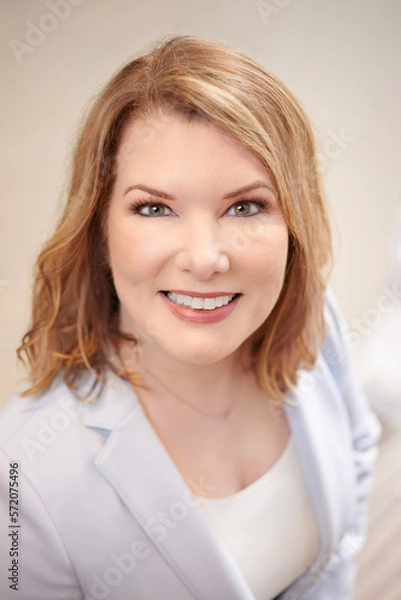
x: 140, y: 470
x: 142, y: 473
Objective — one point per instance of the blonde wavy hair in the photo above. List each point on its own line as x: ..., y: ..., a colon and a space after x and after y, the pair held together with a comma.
x: 75, y: 313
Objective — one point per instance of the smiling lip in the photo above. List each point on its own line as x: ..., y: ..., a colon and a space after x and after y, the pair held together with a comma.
x: 201, y: 316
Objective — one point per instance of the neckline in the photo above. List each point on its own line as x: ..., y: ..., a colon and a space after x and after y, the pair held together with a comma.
x: 252, y: 487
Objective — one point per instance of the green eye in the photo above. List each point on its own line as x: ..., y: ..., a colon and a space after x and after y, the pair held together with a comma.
x: 156, y: 210
x: 242, y: 208
x: 248, y: 208
x: 149, y: 209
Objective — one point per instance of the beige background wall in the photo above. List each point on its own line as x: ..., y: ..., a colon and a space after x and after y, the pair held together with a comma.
x: 340, y: 57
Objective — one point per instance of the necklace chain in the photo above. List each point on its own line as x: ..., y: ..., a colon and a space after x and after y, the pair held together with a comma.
x: 228, y: 414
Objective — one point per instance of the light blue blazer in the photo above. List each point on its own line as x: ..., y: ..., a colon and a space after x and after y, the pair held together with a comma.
x: 104, y: 512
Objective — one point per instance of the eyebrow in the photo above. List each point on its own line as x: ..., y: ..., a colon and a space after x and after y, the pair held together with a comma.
x: 161, y: 194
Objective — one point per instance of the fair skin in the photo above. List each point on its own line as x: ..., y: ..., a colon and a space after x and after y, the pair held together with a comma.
x: 198, y: 233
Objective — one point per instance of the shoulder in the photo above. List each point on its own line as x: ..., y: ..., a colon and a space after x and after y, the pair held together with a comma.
x: 337, y: 353
x: 336, y: 349
x: 23, y: 416
x: 29, y: 425
x: 337, y: 328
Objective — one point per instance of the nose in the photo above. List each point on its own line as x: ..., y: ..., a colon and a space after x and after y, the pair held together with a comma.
x: 201, y: 251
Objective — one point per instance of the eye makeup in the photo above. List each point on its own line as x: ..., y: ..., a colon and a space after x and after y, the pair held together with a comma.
x: 263, y: 206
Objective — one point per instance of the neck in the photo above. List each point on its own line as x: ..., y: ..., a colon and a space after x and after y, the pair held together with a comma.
x: 210, y: 387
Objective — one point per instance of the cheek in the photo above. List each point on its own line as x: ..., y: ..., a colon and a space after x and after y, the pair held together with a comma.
x: 132, y: 253
x: 265, y: 250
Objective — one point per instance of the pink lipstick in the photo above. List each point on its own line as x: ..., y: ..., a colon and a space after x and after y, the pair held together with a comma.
x: 201, y: 316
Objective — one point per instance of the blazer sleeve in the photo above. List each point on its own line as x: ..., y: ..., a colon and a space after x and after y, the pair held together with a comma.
x: 337, y: 580
x: 43, y: 569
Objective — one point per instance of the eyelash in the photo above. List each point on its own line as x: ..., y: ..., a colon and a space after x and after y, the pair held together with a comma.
x: 263, y: 205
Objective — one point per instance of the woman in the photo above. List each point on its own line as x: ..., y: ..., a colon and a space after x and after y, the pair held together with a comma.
x: 192, y: 427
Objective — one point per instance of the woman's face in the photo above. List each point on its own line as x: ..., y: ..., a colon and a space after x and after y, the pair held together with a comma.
x: 210, y: 224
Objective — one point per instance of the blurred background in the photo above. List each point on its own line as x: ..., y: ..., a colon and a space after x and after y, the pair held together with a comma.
x: 342, y: 60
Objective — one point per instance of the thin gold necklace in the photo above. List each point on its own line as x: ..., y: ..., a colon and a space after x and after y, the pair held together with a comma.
x: 228, y: 414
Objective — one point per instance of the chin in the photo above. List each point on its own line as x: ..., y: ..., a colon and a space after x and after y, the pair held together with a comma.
x: 205, y: 355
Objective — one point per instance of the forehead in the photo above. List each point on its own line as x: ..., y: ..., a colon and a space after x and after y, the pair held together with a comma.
x: 170, y: 143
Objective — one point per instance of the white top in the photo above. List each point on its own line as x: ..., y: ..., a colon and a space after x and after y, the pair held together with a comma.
x: 269, y: 527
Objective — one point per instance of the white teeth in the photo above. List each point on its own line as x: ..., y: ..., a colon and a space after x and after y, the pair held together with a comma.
x: 200, y: 303
x: 209, y: 303
x: 197, y: 303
